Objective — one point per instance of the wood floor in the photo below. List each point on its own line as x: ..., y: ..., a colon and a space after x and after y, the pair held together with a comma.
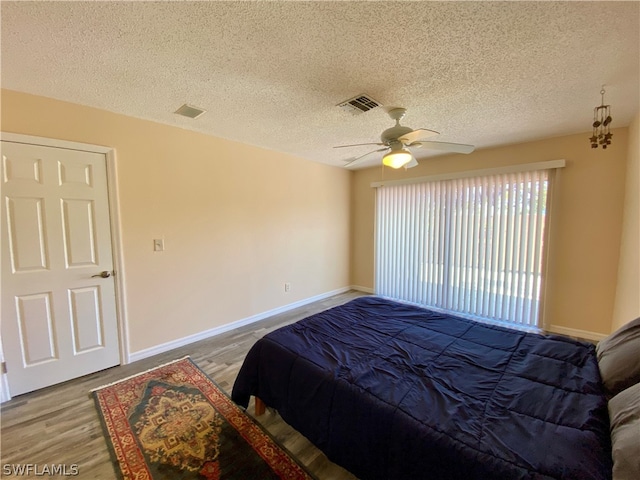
x: 60, y: 424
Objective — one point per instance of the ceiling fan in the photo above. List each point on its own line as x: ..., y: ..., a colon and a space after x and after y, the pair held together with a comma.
x: 398, y: 141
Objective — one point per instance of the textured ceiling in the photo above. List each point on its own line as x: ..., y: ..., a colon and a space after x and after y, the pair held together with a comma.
x: 271, y: 73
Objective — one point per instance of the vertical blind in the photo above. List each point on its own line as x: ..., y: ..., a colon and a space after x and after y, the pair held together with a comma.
x: 468, y: 245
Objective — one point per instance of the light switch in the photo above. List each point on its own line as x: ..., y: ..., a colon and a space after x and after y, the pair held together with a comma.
x: 158, y: 244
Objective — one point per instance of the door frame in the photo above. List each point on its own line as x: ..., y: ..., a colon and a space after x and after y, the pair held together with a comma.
x: 116, y: 236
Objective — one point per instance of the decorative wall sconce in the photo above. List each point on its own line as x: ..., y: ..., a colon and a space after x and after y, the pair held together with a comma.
x: 601, y: 122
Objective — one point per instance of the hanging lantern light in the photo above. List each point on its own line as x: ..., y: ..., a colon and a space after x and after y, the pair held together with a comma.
x: 601, y: 125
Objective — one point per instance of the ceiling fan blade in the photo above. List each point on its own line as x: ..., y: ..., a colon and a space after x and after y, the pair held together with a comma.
x: 358, y: 145
x: 445, y: 146
x: 412, y: 163
x: 351, y: 161
x: 417, y: 135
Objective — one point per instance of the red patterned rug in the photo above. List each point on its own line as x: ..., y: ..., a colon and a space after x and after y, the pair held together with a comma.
x: 174, y: 422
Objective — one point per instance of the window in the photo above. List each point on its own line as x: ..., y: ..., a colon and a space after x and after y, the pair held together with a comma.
x: 471, y: 245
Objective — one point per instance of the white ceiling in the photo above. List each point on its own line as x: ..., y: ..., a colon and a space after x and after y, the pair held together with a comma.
x: 271, y: 73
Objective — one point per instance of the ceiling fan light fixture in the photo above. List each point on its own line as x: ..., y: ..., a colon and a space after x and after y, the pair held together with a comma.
x: 397, y: 158
x: 397, y: 141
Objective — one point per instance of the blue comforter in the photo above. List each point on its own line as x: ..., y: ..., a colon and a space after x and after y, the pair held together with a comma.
x: 393, y: 391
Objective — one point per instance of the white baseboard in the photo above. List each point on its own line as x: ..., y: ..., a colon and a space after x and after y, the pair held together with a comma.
x: 573, y: 332
x: 362, y: 289
x: 181, y: 342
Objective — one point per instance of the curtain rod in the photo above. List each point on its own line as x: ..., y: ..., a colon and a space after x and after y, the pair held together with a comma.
x: 525, y: 167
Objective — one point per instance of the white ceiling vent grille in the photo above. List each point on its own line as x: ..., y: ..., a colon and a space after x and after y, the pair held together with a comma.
x: 190, y: 111
x: 359, y: 104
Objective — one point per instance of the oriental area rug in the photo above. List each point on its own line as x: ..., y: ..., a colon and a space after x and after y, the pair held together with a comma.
x: 173, y: 422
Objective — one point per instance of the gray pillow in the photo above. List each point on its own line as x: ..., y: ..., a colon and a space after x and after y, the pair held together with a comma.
x: 624, y: 413
x: 619, y: 358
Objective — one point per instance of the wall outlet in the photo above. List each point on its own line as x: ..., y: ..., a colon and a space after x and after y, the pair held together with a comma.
x: 158, y: 244
x: 287, y: 287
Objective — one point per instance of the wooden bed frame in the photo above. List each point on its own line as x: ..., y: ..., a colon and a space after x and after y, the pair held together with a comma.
x: 259, y: 407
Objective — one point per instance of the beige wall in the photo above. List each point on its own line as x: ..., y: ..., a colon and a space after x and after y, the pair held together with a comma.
x: 587, y: 222
x: 627, y: 305
x: 238, y: 221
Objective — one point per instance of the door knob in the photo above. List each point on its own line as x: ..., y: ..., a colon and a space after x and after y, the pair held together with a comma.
x: 105, y: 274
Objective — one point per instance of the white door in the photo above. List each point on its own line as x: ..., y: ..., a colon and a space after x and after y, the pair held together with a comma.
x: 58, y: 314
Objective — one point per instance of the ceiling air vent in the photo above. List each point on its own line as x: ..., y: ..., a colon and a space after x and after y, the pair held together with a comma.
x: 359, y: 104
x: 190, y: 111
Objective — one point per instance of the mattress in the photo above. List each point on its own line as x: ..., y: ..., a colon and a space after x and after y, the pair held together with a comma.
x: 394, y: 391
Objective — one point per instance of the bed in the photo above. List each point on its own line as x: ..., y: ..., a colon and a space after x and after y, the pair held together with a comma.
x: 394, y: 391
